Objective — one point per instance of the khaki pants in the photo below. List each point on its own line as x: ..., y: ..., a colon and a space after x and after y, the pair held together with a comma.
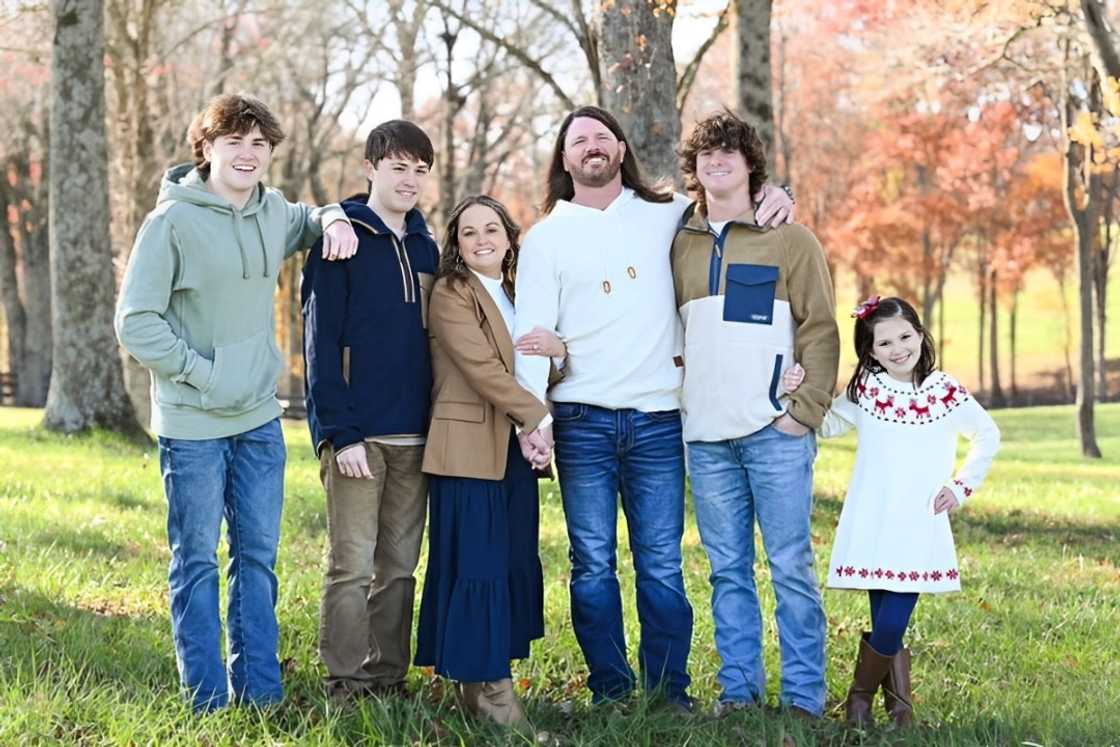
x: 374, y: 527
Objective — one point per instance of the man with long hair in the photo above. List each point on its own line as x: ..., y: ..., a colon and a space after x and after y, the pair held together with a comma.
x: 596, y: 269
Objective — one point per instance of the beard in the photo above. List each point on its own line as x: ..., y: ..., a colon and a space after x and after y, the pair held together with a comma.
x: 596, y: 176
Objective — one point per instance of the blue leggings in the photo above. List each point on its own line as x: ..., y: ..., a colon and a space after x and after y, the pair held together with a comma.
x: 890, y: 616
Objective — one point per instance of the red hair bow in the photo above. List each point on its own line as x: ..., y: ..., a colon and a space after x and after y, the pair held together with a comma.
x: 864, y: 310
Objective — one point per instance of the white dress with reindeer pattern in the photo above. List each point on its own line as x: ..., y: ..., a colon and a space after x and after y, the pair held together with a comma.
x: 888, y: 536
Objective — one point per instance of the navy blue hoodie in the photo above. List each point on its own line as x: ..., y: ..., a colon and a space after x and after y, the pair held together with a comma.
x: 368, y: 370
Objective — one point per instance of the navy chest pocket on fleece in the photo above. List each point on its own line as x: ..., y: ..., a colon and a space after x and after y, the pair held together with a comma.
x: 749, y: 294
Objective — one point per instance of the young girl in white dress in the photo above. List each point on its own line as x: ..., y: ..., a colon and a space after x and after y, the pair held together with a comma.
x: 894, y: 538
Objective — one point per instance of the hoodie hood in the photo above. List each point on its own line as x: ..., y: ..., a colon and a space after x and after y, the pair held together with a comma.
x: 183, y: 183
x: 358, y: 211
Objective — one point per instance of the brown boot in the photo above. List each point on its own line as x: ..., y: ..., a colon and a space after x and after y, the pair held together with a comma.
x: 495, y: 701
x: 871, y: 670
x: 897, y: 696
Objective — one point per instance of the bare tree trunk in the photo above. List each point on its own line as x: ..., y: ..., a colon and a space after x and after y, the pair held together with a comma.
x: 1082, y: 199
x: 1100, y: 288
x: 1014, y: 322
x: 982, y: 294
x: 1060, y: 276
x: 87, y: 382
x: 14, y: 315
x: 29, y: 199
x: 997, y: 398
x: 452, y: 104
x: 781, y: 116
x: 635, y: 41
x: 754, y: 96
x: 941, y: 327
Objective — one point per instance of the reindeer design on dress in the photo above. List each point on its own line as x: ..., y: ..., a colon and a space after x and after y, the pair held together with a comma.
x: 882, y: 407
x: 950, y: 397
x: 919, y: 411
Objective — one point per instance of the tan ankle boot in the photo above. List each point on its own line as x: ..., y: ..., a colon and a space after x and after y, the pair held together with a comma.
x: 897, y: 695
x: 871, y: 670
x: 495, y: 701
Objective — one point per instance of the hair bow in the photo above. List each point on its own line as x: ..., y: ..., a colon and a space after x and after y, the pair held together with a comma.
x: 865, y: 309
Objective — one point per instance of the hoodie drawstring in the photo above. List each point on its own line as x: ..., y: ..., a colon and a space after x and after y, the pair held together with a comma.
x: 260, y: 235
x: 241, y: 244
x: 236, y: 215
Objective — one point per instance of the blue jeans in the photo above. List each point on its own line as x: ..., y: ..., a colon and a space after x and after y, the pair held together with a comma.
x: 767, y: 475
x: 601, y: 453
x: 240, y: 478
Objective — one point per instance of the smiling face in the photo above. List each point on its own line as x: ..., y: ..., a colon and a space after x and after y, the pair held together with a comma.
x: 592, y: 154
x: 723, y: 173
x: 238, y: 162
x: 396, y: 184
x: 482, y: 239
x: 897, y: 347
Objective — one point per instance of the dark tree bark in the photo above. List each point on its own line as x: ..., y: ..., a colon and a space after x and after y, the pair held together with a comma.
x: 14, y: 315
x: 640, y: 79
x: 28, y: 198
x: 754, y: 94
x: 87, y: 382
x: 1082, y: 199
x: 997, y: 399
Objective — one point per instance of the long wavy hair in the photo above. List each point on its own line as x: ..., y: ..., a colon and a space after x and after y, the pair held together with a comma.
x: 864, y: 338
x: 451, y: 262
x: 560, y: 186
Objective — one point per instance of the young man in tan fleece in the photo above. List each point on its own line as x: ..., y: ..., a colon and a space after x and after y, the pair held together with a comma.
x: 753, y: 300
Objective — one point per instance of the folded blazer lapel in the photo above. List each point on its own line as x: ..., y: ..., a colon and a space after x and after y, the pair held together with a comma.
x: 494, y: 318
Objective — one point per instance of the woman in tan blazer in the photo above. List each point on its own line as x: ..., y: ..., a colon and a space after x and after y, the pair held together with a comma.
x: 483, y: 599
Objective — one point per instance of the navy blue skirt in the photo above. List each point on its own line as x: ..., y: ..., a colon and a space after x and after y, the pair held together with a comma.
x: 483, y: 598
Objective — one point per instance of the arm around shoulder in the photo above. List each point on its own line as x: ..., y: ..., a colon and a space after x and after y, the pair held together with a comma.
x: 817, y: 337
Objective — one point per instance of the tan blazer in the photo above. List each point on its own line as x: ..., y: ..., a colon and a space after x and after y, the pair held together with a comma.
x: 475, y: 398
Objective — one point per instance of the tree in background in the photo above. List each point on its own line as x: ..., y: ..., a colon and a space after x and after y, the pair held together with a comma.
x: 87, y: 381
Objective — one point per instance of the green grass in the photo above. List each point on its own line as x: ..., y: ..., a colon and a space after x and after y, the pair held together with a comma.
x: 1027, y: 653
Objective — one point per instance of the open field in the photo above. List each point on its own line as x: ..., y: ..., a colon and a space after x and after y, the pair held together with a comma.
x: 1027, y: 653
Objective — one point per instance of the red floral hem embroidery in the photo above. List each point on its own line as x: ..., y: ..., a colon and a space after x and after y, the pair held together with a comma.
x: 901, y: 575
x: 967, y: 490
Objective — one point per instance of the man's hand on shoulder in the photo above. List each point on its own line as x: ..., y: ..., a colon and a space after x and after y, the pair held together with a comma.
x: 775, y: 206
x: 339, y: 241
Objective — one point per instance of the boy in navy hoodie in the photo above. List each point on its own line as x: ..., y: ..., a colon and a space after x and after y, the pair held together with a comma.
x: 368, y: 389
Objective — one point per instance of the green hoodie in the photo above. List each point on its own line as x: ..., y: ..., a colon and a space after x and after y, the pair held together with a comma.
x: 196, y: 305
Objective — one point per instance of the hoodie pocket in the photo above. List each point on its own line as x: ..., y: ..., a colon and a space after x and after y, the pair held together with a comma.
x: 749, y: 294
x: 243, y: 376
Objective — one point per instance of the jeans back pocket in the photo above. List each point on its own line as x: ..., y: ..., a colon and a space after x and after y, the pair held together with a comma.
x: 749, y: 294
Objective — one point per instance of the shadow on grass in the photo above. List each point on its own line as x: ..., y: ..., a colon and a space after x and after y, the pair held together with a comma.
x: 50, y: 644
x: 82, y: 542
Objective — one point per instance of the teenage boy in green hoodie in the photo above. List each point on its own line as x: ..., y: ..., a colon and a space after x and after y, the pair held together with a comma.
x: 196, y: 309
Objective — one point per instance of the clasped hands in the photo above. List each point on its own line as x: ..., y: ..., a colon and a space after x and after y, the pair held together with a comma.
x: 536, y: 446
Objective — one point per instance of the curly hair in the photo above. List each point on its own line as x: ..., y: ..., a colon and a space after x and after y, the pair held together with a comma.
x: 451, y: 263
x: 723, y: 131
x: 230, y: 114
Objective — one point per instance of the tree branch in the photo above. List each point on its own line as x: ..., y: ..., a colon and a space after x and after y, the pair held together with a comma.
x: 517, y: 52
x: 688, y: 77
